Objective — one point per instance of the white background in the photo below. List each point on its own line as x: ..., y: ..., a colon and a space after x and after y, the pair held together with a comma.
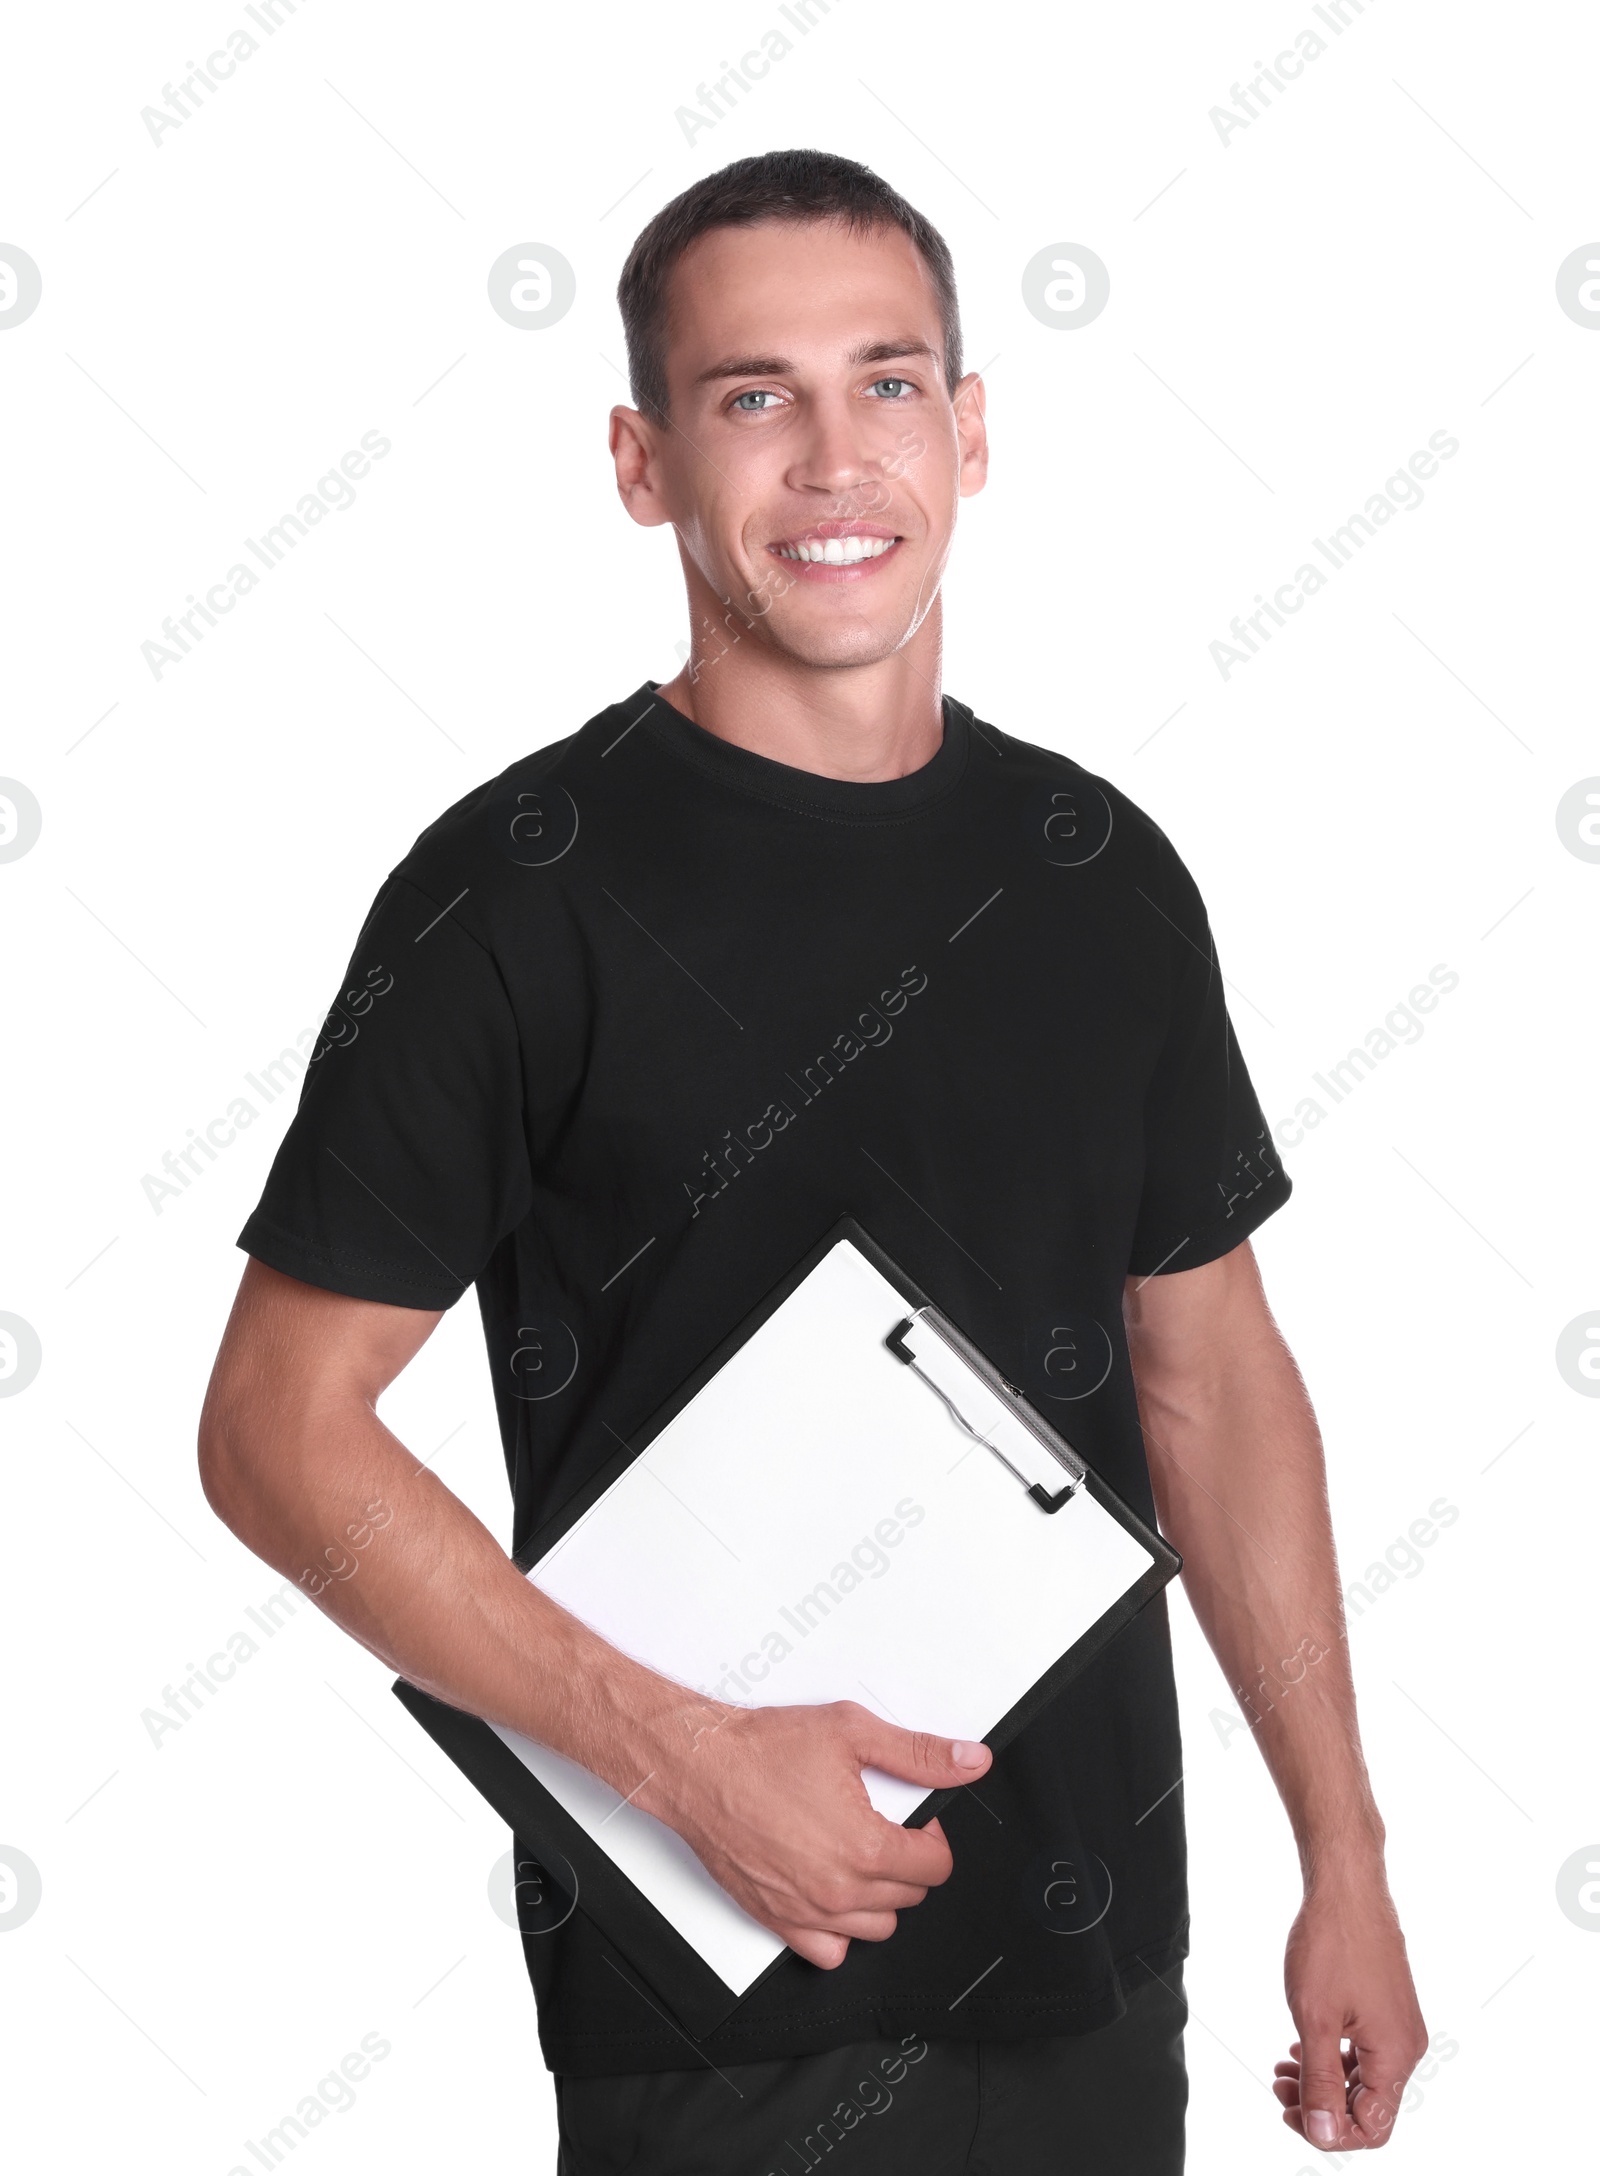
x: 1292, y: 314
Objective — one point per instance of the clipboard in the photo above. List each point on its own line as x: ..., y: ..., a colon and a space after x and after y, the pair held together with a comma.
x: 845, y: 1500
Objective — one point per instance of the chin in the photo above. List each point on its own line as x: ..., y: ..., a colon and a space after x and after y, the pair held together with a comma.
x: 839, y: 646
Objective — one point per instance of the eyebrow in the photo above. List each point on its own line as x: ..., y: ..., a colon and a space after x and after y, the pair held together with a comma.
x: 778, y: 366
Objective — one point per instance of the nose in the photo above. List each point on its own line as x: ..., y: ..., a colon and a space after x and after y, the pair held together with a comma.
x: 833, y: 456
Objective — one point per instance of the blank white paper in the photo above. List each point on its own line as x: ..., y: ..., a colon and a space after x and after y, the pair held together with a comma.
x: 814, y: 1526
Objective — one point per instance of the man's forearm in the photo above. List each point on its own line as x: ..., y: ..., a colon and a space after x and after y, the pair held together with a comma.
x: 337, y: 1503
x: 1236, y: 1465
x: 1237, y: 1468
x: 295, y: 1459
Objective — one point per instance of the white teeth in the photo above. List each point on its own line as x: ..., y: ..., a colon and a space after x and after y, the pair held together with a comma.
x: 838, y: 551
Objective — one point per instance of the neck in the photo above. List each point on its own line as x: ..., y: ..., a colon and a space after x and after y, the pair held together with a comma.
x: 859, y: 722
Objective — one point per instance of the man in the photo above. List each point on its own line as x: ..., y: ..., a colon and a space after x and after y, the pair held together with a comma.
x: 623, y: 1034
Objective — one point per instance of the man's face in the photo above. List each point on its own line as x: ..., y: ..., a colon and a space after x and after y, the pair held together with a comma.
x: 814, y: 458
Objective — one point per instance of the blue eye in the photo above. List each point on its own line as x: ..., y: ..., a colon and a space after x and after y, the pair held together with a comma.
x: 759, y: 393
x: 901, y: 385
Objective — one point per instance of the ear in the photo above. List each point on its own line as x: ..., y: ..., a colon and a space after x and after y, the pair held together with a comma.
x: 972, y: 435
x: 635, y: 448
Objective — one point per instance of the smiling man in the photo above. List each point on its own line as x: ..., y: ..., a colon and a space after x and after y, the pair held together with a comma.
x: 623, y: 1034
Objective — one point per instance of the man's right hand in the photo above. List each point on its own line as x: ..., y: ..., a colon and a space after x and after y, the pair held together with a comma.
x: 772, y: 1803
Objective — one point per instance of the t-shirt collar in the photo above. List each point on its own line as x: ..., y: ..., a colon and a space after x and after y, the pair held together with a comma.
x: 806, y: 791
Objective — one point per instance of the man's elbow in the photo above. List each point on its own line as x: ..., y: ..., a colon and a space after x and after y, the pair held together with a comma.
x: 245, y: 1443
x: 224, y: 1458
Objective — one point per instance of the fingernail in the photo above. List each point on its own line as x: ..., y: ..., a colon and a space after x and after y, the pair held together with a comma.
x: 964, y: 1754
x: 1321, y: 2127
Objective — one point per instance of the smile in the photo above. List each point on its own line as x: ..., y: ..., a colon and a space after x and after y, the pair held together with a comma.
x: 837, y: 551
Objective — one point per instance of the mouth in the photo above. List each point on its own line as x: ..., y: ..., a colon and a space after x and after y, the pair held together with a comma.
x: 837, y: 550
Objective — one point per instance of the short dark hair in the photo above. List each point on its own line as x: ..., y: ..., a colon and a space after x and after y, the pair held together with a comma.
x: 793, y: 185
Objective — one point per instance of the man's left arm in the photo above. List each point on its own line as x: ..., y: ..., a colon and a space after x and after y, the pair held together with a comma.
x: 1237, y: 1469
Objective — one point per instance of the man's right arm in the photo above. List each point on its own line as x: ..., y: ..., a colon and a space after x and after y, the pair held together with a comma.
x: 294, y: 1458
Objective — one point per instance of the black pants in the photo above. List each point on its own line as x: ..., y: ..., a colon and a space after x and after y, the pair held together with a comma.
x: 1107, y: 2103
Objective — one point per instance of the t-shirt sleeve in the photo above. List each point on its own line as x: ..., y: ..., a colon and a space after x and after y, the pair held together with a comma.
x: 406, y: 1161
x: 1212, y: 1173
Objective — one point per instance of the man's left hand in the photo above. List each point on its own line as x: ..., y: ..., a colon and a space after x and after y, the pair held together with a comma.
x: 1347, y: 1979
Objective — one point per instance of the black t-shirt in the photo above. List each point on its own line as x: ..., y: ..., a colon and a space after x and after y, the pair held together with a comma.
x: 624, y: 1033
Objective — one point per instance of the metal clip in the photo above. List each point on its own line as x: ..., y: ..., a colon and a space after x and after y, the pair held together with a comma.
x: 896, y: 1342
